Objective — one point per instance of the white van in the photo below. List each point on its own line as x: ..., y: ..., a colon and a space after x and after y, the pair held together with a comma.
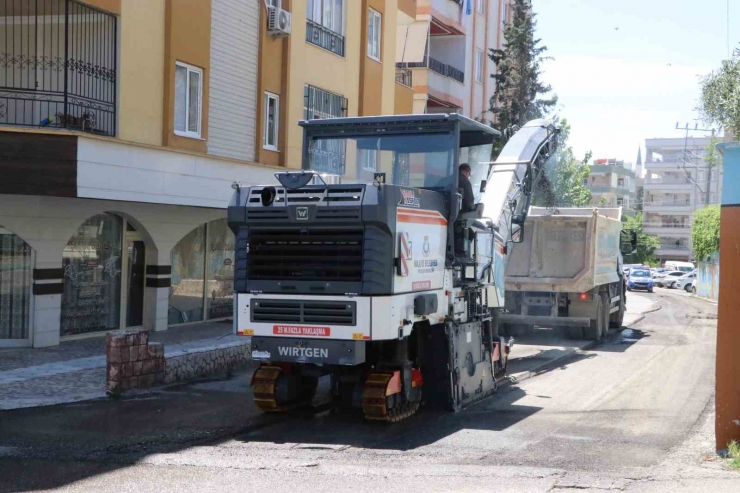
x: 682, y: 266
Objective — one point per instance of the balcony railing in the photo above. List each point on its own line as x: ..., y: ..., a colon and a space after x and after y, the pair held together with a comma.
x: 324, y: 38
x: 58, y: 66
x: 667, y: 181
x: 675, y: 203
x: 436, y: 66
x: 672, y: 246
x: 404, y: 76
x: 666, y: 225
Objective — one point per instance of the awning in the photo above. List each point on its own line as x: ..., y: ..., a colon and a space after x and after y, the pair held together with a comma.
x: 411, y: 42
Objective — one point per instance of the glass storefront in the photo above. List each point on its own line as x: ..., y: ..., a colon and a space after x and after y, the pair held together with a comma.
x: 203, y: 275
x: 91, y: 300
x: 15, y: 286
x: 188, y: 278
x: 220, y: 292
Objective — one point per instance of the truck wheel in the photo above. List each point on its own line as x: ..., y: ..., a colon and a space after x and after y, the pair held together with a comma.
x: 617, y: 318
x: 594, y: 331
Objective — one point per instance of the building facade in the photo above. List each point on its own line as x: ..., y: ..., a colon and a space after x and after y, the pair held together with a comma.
x: 124, y: 125
x: 612, y: 184
x: 445, y: 48
x: 678, y: 182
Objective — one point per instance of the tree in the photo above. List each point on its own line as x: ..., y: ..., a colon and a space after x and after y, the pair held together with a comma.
x: 646, y: 244
x: 720, y: 95
x: 519, y: 95
x: 705, y: 232
x: 561, y: 182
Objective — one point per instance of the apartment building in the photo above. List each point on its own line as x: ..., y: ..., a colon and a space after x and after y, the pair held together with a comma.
x: 678, y: 182
x: 124, y: 125
x: 445, y: 52
x: 612, y: 183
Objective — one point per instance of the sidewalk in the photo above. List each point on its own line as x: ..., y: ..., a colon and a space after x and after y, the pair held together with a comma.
x: 75, y: 370
x: 546, y: 347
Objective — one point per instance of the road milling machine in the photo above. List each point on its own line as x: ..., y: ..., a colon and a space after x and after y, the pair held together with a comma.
x: 364, y: 267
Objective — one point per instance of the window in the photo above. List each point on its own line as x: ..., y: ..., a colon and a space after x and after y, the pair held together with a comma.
x: 270, y: 124
x: 373, y: 34
x: 504, y: 12
x: 318, y: 103
x: 328, y: 13
x: 481, y: 6
x: 620, y: 201
x: 620, y: 182
x: 369, y: 159
x: 479, y: 66
x: 188, y: 94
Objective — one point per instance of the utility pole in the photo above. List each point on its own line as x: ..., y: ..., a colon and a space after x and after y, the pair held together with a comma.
x: 688, y: 156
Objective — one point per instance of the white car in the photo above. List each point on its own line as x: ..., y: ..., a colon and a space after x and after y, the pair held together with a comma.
x: 685, y: 282
x: 668, y: 279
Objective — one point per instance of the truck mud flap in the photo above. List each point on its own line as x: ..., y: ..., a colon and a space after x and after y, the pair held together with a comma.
x: 297, y: 350
x: 508, y: 318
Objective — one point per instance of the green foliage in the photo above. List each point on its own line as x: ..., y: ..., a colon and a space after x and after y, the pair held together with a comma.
x: 519, y: 93
x: 705, y: 232
x: 720, y: 95
x: 602, y: 202
x: 561, y: 183
x: 646, y: 244
x: 713, y: 157
x: 733, y: 453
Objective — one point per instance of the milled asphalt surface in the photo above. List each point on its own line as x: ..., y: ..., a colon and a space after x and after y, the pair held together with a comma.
x: 630, y: 414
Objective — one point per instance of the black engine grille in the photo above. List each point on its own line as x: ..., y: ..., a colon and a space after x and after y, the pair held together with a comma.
x: 296, y: 254
x: 305, y: 312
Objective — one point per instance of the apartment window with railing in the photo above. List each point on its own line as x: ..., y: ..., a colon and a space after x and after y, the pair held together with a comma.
x: 188, y: 96
x: 373, y: 34
x: 325, y: 24
x: 327, y: 155
x: 620, y: 182
x: 58, y: 66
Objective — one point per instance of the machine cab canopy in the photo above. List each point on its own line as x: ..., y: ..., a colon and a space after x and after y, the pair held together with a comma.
x: 420, y: 151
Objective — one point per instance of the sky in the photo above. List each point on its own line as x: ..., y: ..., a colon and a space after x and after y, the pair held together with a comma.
x: 617, y: 87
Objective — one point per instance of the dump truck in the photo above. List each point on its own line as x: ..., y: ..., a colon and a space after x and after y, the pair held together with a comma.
x: 363, y: 266
x: 568, y: 273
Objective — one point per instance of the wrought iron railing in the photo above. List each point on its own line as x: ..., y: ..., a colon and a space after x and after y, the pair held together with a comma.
x: 666, y: 225
x: 436, y: 66
x: 404, y: 76
x: 677, y: 202
x: 324, y: 38
x: 58, y: 66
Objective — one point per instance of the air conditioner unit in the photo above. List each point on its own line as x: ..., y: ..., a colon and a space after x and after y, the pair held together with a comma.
x: 278, y: 21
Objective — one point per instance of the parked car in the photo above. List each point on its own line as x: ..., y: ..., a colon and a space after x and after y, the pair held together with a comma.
x: 640, y: 279
x: 691, y: 288
x: 685, y: 281
x: 684, y: 267
x: 667, y: 279
x: 628, y: 267
x: 657, y: 270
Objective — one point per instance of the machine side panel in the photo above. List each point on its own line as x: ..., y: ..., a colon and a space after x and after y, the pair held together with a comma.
x: 390, y: 312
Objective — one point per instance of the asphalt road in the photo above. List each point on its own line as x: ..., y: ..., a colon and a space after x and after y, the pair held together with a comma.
x: 605, y: 419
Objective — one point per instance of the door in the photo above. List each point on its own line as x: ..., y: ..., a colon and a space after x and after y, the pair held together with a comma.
x: 135, y: 262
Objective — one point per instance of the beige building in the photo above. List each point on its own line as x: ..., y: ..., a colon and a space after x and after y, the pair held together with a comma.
x: 612, y: 184
x: 678, y: 182
x: 124, y: 124
x: 445, y: 47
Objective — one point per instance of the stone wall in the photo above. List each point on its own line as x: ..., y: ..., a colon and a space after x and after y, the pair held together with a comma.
x: 207, y: 362
x: 132, y: 362
x: 135, y: 363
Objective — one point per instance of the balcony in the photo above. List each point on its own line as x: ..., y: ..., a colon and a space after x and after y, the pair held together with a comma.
x: 680, y: 252
x: 660, y: 183
x: 325, y: 38
x: 660, y: 228
x: 680, y: 205
x: 58, y: 66
x: 438, y: 67
x: 404, y: 76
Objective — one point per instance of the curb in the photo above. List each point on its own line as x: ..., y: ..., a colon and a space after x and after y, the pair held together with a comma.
x: 510, y: 379
x: 702, y: 298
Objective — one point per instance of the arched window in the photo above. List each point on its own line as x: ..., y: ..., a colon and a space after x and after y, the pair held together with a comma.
x: 91, y: 300
x: 15, y: 286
